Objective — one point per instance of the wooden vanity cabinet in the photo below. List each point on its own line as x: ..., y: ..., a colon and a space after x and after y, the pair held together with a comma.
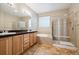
x: 29, y: 40
x: 26, y: 41
x: 31, y: 36
x: 6, y: 46
x: 17, y: 44
x: 35, y: 37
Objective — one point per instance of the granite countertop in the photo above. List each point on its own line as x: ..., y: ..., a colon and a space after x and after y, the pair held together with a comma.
x: 17, y: 33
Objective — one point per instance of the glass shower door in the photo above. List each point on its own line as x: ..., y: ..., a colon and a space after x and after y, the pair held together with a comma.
x: 60, y: 29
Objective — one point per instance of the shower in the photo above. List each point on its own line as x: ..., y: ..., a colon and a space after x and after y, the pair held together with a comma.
x: 60, y: 29
x: 60, y: 33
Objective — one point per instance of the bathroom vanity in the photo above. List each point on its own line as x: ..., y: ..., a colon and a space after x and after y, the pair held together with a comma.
x: 15, y: 44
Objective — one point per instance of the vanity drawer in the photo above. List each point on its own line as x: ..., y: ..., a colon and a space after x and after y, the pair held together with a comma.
x: 26, y: 35
x: 26, y: 41
x: 26, y: 46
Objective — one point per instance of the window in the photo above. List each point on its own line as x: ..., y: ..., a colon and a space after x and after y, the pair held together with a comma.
x: 44, y: 21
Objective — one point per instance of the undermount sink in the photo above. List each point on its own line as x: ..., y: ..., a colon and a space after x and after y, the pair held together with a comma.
x: 7, y: 33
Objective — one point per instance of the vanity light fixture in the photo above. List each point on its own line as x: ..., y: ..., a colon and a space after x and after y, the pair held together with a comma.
x: 11, y: 5
x: 27, y: 12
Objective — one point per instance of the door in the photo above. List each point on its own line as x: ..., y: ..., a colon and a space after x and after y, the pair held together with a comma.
x: 6, y: 46
x: 17, y: 44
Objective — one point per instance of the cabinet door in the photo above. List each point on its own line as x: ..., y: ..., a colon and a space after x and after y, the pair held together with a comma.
x: 26, y: 37
x: 9, y: 45
x: 17, y: 44
x: 2, y: 46
x: 35, y: 37
x: 31, y: 39
x: 6, y: 46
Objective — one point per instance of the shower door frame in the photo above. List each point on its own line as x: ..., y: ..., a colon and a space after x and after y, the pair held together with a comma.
x: 74, y: 28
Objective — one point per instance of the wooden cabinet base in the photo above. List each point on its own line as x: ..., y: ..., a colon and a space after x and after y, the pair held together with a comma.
x: 15, y: 45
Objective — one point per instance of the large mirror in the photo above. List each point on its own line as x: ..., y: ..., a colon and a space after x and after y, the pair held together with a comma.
x: 12, y: 15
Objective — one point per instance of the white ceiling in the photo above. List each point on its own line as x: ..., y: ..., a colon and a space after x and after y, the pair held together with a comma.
x: 47, y: 7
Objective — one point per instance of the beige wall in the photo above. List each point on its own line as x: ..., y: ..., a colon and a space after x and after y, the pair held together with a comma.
x: 54, y: 13
x: 74, y: 23
x: 74, y: 8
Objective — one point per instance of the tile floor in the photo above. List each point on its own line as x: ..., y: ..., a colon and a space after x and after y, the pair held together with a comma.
x: 49, y: 49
